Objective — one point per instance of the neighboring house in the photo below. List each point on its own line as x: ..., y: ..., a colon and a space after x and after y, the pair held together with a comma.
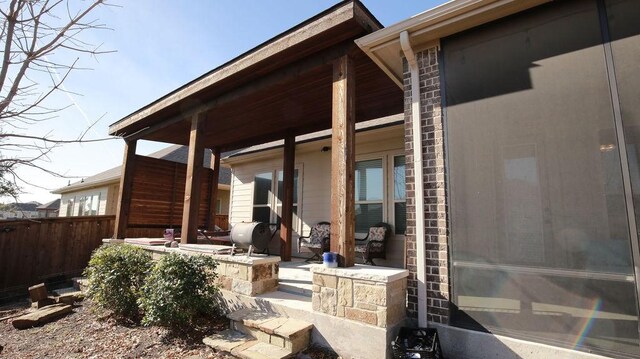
x: 98, y: 194
x: 257, y: 176
x: 526, y: 116
x: 49, y: 209
x: 19, y: 210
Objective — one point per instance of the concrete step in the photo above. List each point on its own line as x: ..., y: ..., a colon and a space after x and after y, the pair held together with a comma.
x: 290, y: 334
x: 80, y: 283
x: 63, y: 291
x: 293, y: 287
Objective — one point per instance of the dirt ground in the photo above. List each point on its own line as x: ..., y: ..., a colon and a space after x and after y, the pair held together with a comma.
x: 84, y: 334
x: 88, y: 333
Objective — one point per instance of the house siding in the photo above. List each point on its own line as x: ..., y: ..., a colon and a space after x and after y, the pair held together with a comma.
x: 103, y: 191
x: 435, y: 196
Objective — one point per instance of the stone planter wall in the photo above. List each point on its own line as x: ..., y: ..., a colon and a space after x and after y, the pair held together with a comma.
x: 239, y: 274
x: 247, y: 275
x: 367, y: 294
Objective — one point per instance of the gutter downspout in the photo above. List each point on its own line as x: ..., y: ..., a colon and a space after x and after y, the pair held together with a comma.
x: 418, y: 177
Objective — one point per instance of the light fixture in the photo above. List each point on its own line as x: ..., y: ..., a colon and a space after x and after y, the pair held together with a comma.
x: 607, y: 148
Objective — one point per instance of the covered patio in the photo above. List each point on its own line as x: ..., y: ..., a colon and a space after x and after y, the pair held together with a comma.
x: 310, y: 78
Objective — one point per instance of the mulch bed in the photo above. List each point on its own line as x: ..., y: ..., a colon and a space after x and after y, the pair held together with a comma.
x: 90, y: 333
x: 87, y: 334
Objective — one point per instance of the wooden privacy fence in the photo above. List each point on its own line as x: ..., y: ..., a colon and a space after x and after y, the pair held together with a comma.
x: 157, y: 194
x: 34, y: 251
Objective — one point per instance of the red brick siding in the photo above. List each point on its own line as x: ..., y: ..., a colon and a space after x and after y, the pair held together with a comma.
x: 436, y: 225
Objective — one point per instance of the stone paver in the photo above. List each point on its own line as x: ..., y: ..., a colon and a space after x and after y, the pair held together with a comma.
x: 226, y: 340
x: 270, y: 326
x: 292, y: 328
x: 264, y: 351
x: 255, y: 318
x: 276, y: 335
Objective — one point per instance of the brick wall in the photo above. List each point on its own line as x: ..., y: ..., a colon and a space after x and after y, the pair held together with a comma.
x: 436, y: 226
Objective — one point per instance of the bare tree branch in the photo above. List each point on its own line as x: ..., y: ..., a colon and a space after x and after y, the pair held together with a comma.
x: 34, y: 36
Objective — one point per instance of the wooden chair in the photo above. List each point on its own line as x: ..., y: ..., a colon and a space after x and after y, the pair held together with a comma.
x: 374, y: 245
x: 317, y: 241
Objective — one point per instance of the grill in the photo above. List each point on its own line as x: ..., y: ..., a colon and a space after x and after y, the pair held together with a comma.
x: 257, y: 234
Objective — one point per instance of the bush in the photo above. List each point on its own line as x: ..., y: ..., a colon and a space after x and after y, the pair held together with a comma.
x: 179, y: 289
x: 116, y: 274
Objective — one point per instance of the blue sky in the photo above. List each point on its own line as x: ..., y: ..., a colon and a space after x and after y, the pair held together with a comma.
x: 160, y: 45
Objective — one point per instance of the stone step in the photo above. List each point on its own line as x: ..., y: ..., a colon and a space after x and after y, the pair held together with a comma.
x: 290, y: 334
x: 244, y: 346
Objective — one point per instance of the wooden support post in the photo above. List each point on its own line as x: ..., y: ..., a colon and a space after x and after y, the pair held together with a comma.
x: 213, y: 195
x: 192, y: 185
x: 124, y: 193
x: 343, y: 162
x: 286, y: 224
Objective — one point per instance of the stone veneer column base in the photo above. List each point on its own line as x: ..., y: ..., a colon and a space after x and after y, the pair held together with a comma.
x: 368, y: 294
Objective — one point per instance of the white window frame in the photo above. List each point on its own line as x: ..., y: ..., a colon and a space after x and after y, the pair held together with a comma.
x: 385, y: 190
x: 82, y: 201
x: 71, y: 203
x: 388, y: 202
x: 392, y: 195
x: 95, y: 205
x: 270, y: 196
x: 273, y: 203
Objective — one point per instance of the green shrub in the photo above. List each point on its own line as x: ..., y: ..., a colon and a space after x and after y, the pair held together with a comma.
x: 178, y: 289
x: 116, y: 274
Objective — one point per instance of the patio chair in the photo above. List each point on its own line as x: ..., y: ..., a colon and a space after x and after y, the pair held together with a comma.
x: 317, y: 241
x: 374, y: 245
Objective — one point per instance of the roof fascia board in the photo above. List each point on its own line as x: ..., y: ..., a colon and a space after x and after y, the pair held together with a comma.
x: 345, y: 12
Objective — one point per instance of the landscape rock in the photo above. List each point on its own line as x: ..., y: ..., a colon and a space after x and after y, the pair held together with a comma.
x: 42, y: 316
x: 38, y: 292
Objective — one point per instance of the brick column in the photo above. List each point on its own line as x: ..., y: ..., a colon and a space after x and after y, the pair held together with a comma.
x: 436, y: 225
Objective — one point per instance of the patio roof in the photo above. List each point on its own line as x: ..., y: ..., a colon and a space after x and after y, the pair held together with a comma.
x: 310, y: 78
x: 281, y: 87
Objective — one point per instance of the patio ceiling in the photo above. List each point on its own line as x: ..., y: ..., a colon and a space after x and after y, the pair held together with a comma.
x: 282, y: 87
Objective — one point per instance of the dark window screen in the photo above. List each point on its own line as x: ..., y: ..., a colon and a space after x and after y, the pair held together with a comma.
x: 539, y: 231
